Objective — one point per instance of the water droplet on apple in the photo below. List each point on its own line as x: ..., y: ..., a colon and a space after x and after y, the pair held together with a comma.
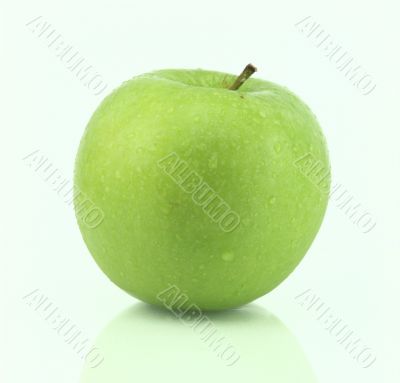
x: 272, y: 200
x: 228, y: 256
x: 277, y: 147
x: 213, y: 161
x: 294, y: 244
x: 178, y: 237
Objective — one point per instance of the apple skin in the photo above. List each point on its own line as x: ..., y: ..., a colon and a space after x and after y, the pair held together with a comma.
x: 243, y: 143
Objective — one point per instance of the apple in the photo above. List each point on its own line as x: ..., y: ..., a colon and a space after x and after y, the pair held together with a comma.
x: 196, y: 175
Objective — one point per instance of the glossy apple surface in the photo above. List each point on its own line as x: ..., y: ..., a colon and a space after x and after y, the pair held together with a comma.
x: 170, y: 154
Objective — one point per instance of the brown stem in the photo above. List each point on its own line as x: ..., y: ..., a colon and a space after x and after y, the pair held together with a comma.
x: 247, y: 72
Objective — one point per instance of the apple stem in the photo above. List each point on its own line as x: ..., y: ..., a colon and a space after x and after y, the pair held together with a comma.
x: 247, y: 72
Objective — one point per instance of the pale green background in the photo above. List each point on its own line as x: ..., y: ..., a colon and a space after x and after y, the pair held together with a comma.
x: 45, y: 107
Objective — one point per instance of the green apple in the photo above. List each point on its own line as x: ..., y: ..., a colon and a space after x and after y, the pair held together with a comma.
x: 196, y: 173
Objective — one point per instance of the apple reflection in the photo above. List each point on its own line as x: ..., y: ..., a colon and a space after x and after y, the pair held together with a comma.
x: 150, y: 344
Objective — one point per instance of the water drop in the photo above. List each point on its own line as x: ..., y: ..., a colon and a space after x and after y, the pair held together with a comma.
x: 272, y: 200
x: 213, y: 161
x: 228, y: 256
x: 277, y: 147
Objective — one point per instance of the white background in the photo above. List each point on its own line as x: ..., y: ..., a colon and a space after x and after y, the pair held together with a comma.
x: 45, y: 107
